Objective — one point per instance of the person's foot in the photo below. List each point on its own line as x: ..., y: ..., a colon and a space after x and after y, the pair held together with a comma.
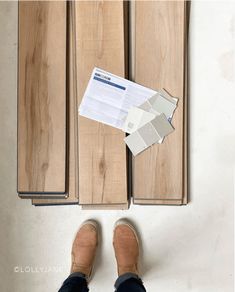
x: 126, y: 247
x: 84, y: 248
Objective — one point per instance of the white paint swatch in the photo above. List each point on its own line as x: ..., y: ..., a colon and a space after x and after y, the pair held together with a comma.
x: 152, y: 132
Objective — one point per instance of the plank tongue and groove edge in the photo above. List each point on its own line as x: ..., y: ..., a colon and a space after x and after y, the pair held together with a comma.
x: 100, y: 31
x: 106, y: 207
x: 42, y: 97
x: 158, y: 172
x: 186, y: 197
x: 157, y: 202
x: 72, y: 120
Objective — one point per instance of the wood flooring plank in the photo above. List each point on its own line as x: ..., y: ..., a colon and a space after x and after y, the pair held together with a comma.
x: 42, y: 97
x: 158, y: 172
x: 100, y: 28
x: 72, y: 135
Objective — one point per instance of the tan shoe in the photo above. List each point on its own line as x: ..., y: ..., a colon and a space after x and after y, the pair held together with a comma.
x: 126, y: 247
x: 84, y: 248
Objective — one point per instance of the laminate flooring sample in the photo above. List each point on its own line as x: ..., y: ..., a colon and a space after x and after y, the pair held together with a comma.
x: 158, y: 172
x: 72, y: 121
x: 101, y: 42
x: 42, y: 97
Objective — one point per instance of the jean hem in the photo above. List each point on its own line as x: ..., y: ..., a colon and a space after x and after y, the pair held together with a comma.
x: 121, y: 279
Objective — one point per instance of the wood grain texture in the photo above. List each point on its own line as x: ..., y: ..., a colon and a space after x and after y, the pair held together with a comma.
x: 158, y: 173
x: 100, y: 27
x: 42, y: 97
x: 72, y: 120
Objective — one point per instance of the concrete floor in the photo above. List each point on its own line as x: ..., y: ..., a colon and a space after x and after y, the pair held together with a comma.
x: 186, y: 248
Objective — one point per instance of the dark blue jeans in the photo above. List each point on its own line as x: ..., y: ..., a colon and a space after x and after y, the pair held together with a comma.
x: 128, y: 282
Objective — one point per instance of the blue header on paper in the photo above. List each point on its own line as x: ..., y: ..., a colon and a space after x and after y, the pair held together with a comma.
x: 109, y: 82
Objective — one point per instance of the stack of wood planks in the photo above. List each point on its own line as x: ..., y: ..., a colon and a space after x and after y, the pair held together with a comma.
x: 47, y: 115
x: 64, y: 158
x: 159, y: 173
x: 101, y: 41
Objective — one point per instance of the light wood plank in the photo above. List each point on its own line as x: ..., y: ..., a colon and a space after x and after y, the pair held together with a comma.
x: 42, y: 97
x: 100, y: 29
x: 72, y: 105
x: 158, y: 173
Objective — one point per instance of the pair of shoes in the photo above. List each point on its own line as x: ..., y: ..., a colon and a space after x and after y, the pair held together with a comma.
x: 125, y: 243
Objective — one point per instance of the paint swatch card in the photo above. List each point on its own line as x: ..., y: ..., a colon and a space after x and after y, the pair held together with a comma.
x: 159, y: 103
x: 136, y: 118
x: 149, y: 134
